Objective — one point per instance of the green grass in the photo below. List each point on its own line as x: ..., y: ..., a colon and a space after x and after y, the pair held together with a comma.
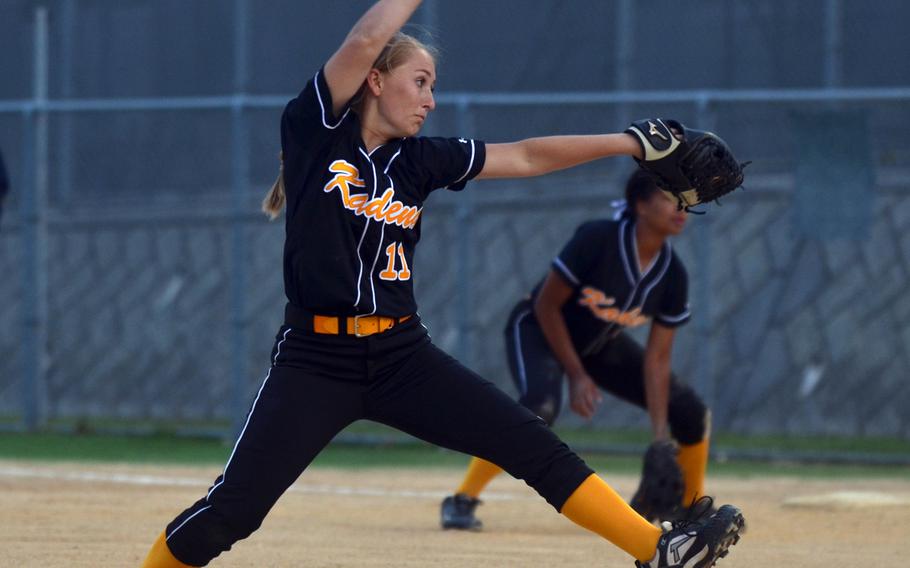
x: 185, y: 450
x: 783, y: 443
x: 157, y: 448
x: 584, y: 437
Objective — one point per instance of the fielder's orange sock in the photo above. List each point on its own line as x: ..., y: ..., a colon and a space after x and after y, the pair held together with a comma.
x: 693, y: 461
x: 160, y: 556
x: 480, y: 472
x: 598, y: 508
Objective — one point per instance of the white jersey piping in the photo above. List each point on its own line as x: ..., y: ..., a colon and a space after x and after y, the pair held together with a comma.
x: 322, y: 115
x: 240, y: 437
x: 565, y: 270
x: 519, y: 357
x: 364, y: 234
x: 470, y: 165
x: 622, y: 252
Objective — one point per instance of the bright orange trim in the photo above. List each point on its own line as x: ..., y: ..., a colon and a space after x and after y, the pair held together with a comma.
x: 390, y: 273
x: 383, y: 209
x: 324, y: 324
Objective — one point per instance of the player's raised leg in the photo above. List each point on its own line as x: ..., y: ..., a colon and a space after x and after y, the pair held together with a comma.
x: 269, y: 455
x: 425, y: 398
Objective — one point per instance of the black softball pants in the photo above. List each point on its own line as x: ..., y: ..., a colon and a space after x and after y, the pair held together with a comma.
x: 319, y: 384
x: 618, y: 368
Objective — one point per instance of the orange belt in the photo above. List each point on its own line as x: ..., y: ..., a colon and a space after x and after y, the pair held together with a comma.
x: 360, y: 326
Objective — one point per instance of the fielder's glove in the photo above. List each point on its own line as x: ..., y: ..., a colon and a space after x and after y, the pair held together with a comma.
x: 693, y: 166
x: 661, y: 490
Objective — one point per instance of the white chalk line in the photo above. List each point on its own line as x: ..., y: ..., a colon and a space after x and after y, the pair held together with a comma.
x: 19, y: 472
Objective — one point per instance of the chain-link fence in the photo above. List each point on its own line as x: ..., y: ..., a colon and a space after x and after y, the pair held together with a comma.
x: 141, y: 285
x: 791, y: 333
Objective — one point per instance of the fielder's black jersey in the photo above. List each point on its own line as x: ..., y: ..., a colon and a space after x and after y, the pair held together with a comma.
x: 353, y: 217
x: 601, y: 265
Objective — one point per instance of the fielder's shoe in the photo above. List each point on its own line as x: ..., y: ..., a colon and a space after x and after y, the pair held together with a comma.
x: 697, y: 543
x: 458, y: 513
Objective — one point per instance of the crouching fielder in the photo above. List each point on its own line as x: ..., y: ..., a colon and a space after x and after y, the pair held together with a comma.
x: 613, y: 274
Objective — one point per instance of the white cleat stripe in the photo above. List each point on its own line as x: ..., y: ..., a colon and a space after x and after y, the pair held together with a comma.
x: 693, y: 562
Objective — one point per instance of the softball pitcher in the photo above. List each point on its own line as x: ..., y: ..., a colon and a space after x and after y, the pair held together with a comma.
x: 354, y: 180
x: 612, y: 275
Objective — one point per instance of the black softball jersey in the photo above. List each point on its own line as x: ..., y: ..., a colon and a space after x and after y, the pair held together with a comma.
x: 611, y: 292
x: 353, y: 217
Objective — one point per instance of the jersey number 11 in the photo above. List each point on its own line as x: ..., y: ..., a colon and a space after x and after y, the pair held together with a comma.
x: 390, y: 273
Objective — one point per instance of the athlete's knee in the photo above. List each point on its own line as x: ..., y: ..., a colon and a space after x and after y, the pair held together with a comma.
x: 547, y: 409
x: 688, y: 416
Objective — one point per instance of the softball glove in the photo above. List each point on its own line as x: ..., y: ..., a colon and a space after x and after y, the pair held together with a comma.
x: 693, y: 166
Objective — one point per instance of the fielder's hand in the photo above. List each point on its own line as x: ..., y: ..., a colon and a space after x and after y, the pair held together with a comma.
x: 584, y: 395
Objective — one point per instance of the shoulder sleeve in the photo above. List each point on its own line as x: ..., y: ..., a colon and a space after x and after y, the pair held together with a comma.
x: 674, y: 306
x: 309, y: 114
x: 445, y: 162
x: 579, y: 255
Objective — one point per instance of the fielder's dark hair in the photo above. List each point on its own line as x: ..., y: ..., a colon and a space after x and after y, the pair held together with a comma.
x: 639, y: 187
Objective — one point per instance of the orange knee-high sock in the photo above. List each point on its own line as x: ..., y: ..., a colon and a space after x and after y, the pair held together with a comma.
x: 480, y: 472
x: 598, y: 508
x: 160, y: 556
x: 693, y: 461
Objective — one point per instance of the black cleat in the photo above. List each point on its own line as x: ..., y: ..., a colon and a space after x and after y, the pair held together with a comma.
x: 698, y: 509
x: 457, y: 512
x: 699, y: 542
x: 701, y: 508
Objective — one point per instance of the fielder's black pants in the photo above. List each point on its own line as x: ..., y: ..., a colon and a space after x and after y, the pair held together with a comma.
x: 319, y: 384
x: 617, y: 368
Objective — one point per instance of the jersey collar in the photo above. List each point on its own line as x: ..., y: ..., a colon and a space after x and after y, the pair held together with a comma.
x: 629, y: 252
x: 382, y: 154
x: 386, y: 152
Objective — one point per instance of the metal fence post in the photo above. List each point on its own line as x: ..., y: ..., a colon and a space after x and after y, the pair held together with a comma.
x: 464, y: 259
x: 64, y: 164
x: 429, y: 16
x: 33, y: 210
x: 240, y: 179
x: 702, y: 313
x: 833, y: 43
x: 624, y: 48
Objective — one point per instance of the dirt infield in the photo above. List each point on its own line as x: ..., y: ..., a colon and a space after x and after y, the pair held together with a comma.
x: 74, y: 515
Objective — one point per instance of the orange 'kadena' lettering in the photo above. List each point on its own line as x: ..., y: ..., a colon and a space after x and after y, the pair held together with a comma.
x: 603, y: 308
x: 383, y: 208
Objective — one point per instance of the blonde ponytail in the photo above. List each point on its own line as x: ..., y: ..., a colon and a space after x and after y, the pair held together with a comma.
x: 275, y: 198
